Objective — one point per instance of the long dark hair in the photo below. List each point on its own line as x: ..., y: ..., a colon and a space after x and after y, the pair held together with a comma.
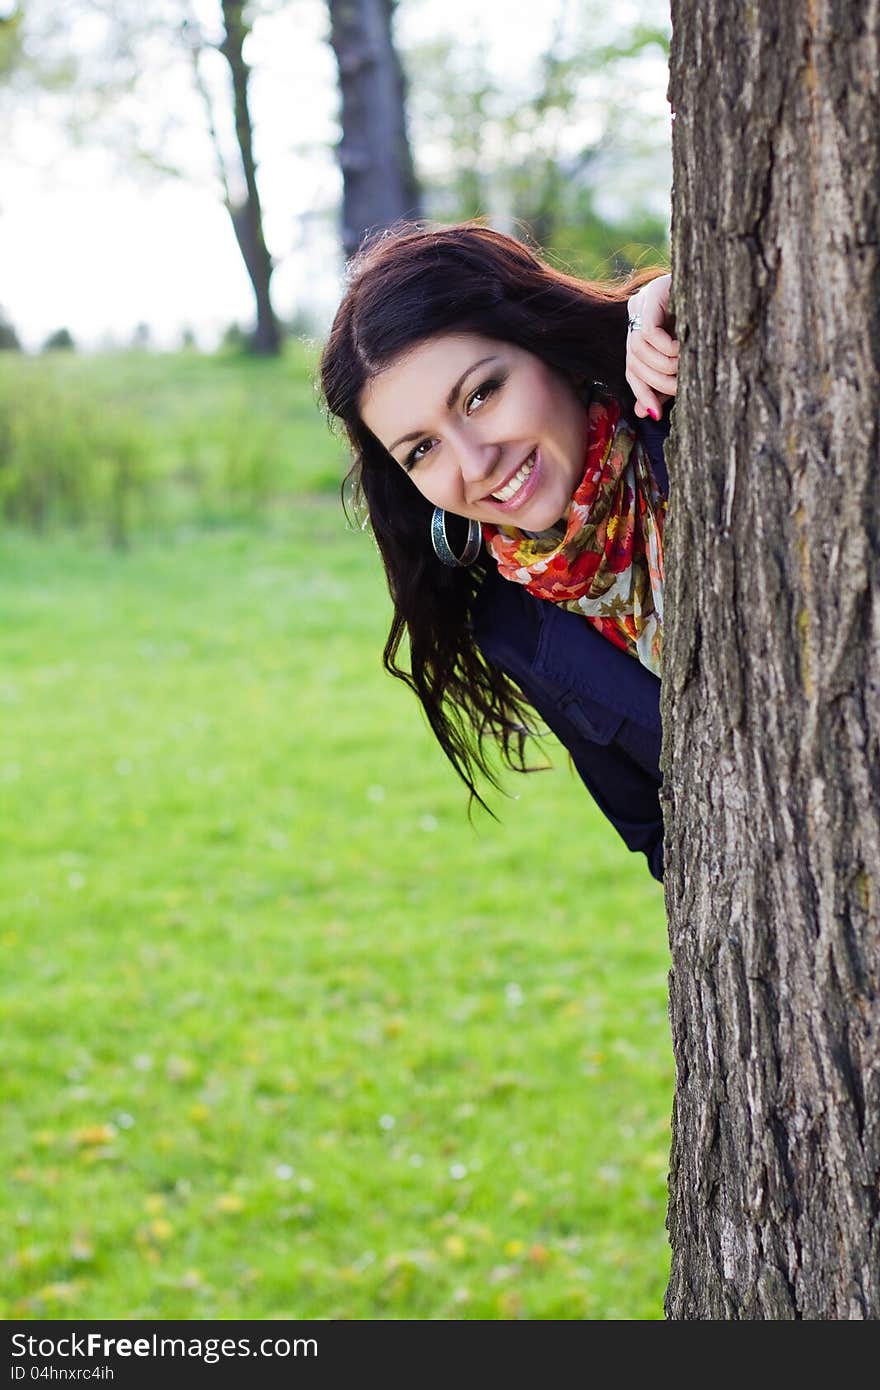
x: 405, y: 286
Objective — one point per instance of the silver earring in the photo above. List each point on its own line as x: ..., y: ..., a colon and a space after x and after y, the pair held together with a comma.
x: 442, y: 548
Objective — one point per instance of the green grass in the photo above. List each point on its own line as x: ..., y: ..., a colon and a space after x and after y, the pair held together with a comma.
x: 286, y: 1036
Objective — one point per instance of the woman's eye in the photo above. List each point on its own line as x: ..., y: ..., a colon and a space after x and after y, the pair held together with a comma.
x: 486, y: 390
x: 477, y: 398
x: 415, y: 456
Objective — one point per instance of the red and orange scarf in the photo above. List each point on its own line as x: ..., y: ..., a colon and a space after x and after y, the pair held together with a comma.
x: 609, y: 564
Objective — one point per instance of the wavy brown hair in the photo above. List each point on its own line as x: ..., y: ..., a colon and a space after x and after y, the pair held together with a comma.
x: 404, y: 286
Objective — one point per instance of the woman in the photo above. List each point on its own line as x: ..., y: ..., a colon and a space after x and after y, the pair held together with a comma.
x: 496, y: 408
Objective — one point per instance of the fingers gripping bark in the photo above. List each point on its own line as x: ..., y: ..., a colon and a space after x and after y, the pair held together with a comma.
x: 651, y: 351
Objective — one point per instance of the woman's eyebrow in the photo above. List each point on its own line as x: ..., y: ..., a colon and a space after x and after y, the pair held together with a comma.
x: 450, y: 400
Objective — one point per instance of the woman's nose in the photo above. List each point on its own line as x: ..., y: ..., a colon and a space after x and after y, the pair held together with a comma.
x: 477, y: 460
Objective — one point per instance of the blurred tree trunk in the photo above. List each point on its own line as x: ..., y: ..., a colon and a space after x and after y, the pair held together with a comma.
x: 246, y: 212
x: 771, y: 691
x: 378, y: 177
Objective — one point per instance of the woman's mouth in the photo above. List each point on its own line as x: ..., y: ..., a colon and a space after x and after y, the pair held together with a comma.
x: 517, y: 487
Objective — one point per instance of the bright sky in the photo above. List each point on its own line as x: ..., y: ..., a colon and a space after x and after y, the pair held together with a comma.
x: 87, y: 244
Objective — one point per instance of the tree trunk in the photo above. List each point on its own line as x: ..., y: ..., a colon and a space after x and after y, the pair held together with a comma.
x: 378, y: 178
x: 771, y: 691
x: 246, y: 214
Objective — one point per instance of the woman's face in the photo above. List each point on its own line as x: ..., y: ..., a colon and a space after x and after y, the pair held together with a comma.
x: 485, y: 430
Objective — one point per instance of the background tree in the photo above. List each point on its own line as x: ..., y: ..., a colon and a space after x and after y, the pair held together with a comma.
x: 771, y: 695
x: 241, y: 195
x: 60, y: 340
x: 378, y: 178
x: 9, y: 340
x: 547, y: 149
x: 102, y: 63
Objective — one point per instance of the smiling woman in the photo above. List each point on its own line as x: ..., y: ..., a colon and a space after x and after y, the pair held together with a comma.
x: 475, y: 381
x: 513, y: 445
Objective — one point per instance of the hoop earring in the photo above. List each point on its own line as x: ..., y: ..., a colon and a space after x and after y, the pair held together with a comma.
x: 442, y: 548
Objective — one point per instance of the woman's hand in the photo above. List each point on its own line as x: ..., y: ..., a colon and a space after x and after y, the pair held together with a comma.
x: 651, y: 354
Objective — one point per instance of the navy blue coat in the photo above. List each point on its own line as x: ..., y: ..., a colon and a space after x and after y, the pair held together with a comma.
x: 602, y: 704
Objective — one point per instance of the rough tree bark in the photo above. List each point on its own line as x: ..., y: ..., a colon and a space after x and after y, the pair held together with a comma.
x: 246, y: 213
x: 378, y: 177
x: 771, y: 692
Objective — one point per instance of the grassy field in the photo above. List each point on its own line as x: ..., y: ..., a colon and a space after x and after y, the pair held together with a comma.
x: 286, y: 1036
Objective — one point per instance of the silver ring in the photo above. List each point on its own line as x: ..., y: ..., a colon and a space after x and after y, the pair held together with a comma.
x: 635, y: 324
x: 443, y: 550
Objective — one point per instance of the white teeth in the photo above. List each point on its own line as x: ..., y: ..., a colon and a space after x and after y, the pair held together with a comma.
x: 509, y: 491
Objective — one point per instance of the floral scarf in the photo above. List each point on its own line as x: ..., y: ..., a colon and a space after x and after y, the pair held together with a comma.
x: 609, y: 563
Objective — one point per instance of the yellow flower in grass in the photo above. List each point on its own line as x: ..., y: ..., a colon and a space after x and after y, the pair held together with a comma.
x: 455, y: 1247
x: 58, y: 1293
x: 26, y: 1257
x: 229, y: 1202
x: 94, y: 1134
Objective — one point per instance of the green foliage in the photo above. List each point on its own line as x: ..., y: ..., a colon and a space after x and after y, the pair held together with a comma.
x: 138, y: 440
x: 11, y: 49
x: 588, y: 246
x: 63, y: 458
x: 35, y: 53
x: 9, y: 340
x: 60, y: 341
x: 537, y: 150
x: 286, y: 1036
x: 236, y: 338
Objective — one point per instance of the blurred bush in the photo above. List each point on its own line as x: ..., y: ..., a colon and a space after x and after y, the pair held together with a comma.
x: 60, y: 341
x: 8, y: 337
x: 235, y: 338
x: 116, y: 443
x: 229, y: 459
x: 65, y: 460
